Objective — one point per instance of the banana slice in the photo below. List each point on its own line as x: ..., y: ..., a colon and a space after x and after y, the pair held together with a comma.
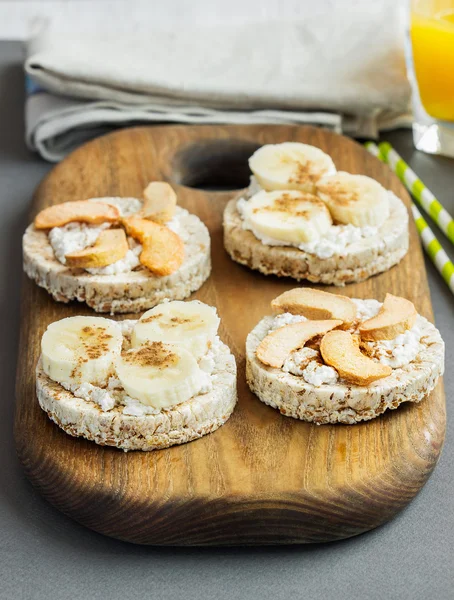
x: 294, y: 217
x: 354, y: 199
x: 81, y: 349
x: 159, y: 375
x: 290, y: 166
x: 191, y: 325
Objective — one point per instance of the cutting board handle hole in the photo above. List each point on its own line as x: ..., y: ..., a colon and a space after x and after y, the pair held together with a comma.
x: 214, y: 165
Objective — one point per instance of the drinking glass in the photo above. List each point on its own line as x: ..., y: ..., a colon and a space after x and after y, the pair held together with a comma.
x: 432, y: 73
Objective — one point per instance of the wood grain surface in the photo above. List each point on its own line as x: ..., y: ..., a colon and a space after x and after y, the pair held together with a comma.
x: 262, y: 478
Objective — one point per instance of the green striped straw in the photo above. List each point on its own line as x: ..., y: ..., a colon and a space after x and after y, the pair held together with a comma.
x: 375, y: 150
x: 419, y: 191
x: 432, y: 246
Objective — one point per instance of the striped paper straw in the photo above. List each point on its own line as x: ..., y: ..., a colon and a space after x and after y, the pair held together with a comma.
x: 419, y: 191
x: 428, y: 239
x: 375, y: 150
x: 434, y: 248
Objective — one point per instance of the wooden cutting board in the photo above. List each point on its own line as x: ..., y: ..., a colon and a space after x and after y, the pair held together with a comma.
x: 262, y: 478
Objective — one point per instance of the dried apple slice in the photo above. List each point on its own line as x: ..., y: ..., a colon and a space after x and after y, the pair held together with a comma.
x: 159, y: 202
x: 110, y: 246
x: 139, y: 228
x: 163, y: 249
x: 81, y: 210
x: 315, y: 304
x: 396, y: 316
x: 279, y: 344
x: 340, y: 350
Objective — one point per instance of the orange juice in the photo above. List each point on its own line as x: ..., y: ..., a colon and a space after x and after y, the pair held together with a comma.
x: 433, y: 56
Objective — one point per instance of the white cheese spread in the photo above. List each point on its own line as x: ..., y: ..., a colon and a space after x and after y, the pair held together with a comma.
x: 136, y: 409
x: 366, y: 309
x: 398, y: 352
x: 317, y: 374
x: 86, y: 391
x: 285, y: 319
x: 306, y: 363
x: 298, y: 361
x: 73, y: 237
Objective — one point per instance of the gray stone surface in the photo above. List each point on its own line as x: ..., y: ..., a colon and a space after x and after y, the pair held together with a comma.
x: 43, y: 554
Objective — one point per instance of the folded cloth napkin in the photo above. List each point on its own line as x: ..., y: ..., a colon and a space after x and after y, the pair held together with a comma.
x: 345, y: 71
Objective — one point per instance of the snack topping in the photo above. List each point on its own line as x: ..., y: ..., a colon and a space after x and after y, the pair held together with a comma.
x: 295, y: 217
x: 334, y: 212
x: 191, y: 325
x: 290, y: 166
x: 90, y: 234
x: 362, y: 341
x: 81, y: 349
x: 354, y: 199
x: 144, y: 366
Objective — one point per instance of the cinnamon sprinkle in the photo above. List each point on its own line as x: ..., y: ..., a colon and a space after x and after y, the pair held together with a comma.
x: 152, y: 354
x: 288, y: 203
x: 305, y: 172
x: 338, y: 193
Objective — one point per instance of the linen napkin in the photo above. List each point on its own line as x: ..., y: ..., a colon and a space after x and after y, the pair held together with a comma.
x: 345, y: 71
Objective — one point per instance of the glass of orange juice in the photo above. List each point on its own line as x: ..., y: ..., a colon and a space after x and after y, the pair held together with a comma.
x: 432, y: 50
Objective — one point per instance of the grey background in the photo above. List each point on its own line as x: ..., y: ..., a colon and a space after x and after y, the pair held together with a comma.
x: 43, y: 554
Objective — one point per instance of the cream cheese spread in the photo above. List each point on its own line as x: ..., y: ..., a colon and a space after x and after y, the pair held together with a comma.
x: 398, y: 352
x: 306, y: 363
x: 317, y: 374
x: 285, y: 319
x: 73, y: 237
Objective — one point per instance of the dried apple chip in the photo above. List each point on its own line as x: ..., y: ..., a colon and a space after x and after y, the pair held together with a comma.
x: 81, y: 211
x: 279, y: 344
x: 159, y: 202
x: 163, y: 249
x: 340, y: 350
x: 110, y: 246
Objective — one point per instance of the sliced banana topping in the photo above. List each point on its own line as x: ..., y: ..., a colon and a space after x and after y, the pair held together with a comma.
x: 191, y: 325
x: 159, y: 375
x: 340, y: 350
x: 316, y: 304
x: 354, y: 199
x: 395, y: 316
x: 293, y: 217
x: 79, y: 350
x: 290, y: 166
